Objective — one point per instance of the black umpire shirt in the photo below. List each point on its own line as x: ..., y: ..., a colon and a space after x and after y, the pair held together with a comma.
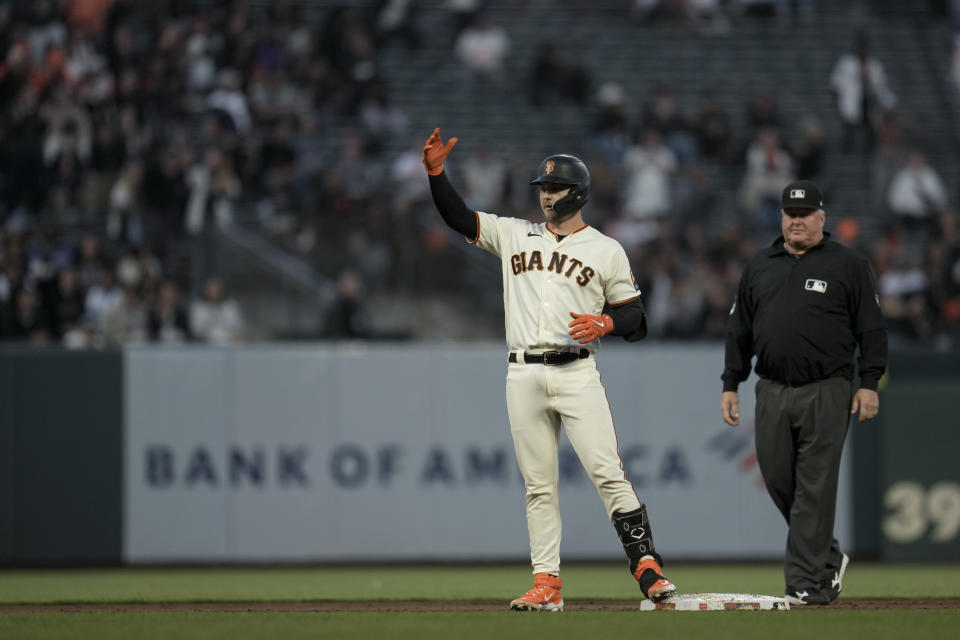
x: 803, y: 317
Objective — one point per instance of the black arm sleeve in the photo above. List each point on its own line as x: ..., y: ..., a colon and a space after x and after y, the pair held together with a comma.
x: 452, y: 208
x: 873, y: 357
x: 739, y: 345
x: 629, y: 319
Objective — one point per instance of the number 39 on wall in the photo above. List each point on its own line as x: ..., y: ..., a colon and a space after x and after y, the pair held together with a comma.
x: 914, y: 511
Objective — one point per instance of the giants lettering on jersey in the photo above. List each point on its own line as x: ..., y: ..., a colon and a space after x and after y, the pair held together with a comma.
x: 558, y: 264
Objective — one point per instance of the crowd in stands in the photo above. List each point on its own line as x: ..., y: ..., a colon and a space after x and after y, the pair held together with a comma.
x: 130, y: 129
x: 55, y: 292
x: 99, y: 181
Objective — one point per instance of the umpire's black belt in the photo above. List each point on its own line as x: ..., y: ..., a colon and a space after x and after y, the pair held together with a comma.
x: 551, y: 358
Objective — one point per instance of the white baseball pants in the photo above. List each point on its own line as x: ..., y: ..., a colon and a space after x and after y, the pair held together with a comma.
x: 539, y: 400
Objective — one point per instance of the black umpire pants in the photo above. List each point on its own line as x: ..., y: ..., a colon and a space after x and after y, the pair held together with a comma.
x: 800, y: 433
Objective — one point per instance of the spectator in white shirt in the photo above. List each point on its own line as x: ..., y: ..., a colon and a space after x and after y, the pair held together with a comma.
x: 483, y: 47
x: 769, y: 168
x: 917, y: 195
x: 214, y: 318
x: 863, y: 93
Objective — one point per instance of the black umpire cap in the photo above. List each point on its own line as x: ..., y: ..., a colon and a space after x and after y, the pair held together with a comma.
x: 802, y: 194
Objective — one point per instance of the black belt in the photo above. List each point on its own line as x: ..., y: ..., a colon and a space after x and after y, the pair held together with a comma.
x: 551, y: 358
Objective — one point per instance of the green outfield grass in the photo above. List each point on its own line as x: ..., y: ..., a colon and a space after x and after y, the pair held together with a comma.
x: 863, y: 580
x: 497, y: 583
x: 743, y: 625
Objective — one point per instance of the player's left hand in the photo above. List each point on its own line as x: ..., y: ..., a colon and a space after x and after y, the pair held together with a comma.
x: 868, y: 402
x: 587, y: 328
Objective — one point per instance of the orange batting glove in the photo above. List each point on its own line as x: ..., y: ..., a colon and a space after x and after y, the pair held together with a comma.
x: 587, y: 328
x: 435, y: 152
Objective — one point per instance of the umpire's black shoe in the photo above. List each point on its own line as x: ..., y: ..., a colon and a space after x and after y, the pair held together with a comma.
x: 833, y: 586
x: 808, y: 596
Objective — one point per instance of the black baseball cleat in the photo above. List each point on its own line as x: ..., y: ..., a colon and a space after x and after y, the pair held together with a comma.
x: 834, y: 586
x: 805, y: 597
x: 837, y: 582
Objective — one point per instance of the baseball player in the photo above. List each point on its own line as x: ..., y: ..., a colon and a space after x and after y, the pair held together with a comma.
x: 565, y: 286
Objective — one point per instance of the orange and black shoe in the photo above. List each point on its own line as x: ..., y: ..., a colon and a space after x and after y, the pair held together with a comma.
x: 652, y: 582
x: 545, y: 595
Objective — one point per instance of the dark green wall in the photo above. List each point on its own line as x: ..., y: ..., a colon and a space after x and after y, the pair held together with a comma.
x: 61, y: 456
x: 907, y: 463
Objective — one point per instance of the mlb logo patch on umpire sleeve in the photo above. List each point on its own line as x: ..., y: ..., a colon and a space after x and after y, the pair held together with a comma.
x: 816, y: 285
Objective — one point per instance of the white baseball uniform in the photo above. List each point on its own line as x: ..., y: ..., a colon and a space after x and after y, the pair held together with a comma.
x: 543, y: 281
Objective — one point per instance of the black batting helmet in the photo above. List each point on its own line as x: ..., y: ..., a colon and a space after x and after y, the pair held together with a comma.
x: 566, y: 169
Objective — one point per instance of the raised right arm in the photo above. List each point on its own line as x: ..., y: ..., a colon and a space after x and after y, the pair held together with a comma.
x: 451, y: 206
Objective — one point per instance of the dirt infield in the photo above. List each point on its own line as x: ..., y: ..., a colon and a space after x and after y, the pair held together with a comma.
x: 411, y: 606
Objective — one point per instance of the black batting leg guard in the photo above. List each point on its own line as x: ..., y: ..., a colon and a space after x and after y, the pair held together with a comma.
x: 635, y: 535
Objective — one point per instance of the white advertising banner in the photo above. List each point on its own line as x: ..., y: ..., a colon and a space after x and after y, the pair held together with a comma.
x: 378, y: 452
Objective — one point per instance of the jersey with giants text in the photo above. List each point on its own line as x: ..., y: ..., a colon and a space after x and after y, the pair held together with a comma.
x: 544, y: 280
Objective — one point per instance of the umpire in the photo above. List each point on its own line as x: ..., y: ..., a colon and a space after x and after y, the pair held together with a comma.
x: 803, y: 306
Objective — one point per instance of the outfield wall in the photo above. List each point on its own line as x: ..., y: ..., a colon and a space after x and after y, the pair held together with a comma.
x: 404, y: 452
x: 340, y: 453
